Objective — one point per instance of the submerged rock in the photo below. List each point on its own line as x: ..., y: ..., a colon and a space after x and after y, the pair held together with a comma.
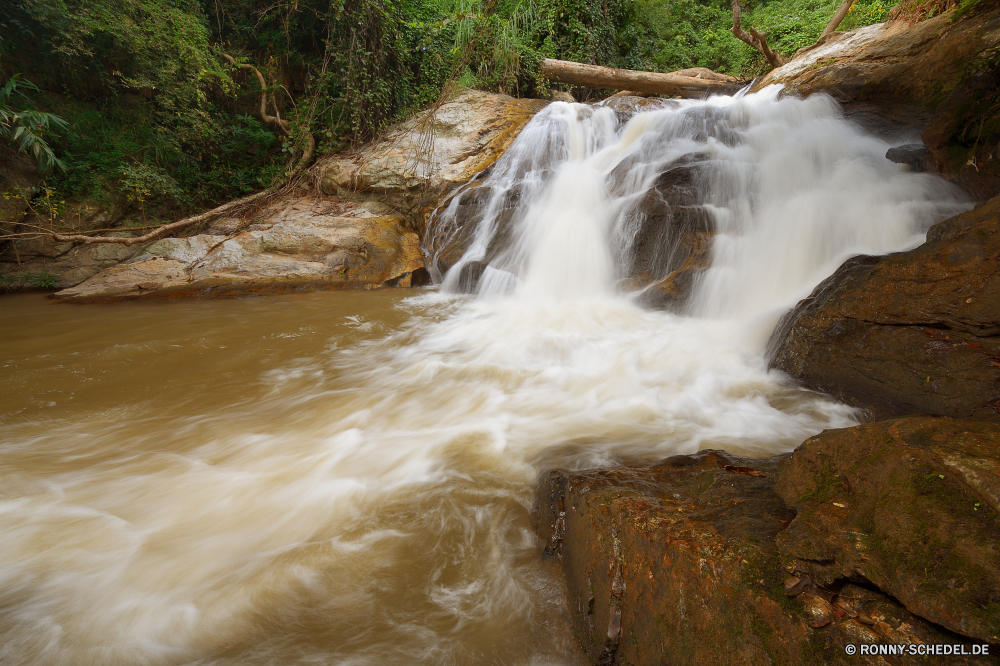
x: 673, y: 239
x: 912, y: 332
x: 678, y: 563
x: 303, y: 245
x: 911, y: 506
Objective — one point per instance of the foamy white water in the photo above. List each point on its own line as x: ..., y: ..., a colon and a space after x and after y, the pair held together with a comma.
x: 347, y: 478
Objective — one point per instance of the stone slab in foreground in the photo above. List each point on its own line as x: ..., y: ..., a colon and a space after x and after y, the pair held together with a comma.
x: 678, y: 563
x: 909, y: 505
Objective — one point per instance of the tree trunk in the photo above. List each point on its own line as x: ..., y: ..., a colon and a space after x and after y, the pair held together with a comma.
x: 754, y: 38
x: 837, y: 19
x: 578, y: 74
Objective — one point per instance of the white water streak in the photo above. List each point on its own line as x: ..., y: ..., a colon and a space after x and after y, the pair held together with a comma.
x: 369, y: 504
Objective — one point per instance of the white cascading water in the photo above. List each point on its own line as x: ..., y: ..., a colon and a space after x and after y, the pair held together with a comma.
x: 271, y: 481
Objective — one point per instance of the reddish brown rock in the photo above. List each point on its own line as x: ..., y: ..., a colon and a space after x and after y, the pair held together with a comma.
x: 910, y: 505
x: 913, y: 332
x: 676, y: 563
x: 895, y: 62
x: 673, y: 237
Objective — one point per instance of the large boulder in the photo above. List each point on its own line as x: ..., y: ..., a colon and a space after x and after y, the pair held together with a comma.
x: 912, y: 332
x: 934, y: 75
x: 911, y: 506
x: 420, y: 161
x: 677, y: 563
x: 296, y: 246
x: 893, y: 62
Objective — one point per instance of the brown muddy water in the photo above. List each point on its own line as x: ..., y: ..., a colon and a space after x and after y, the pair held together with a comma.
x: 348, y: 478
x: 332, y: 478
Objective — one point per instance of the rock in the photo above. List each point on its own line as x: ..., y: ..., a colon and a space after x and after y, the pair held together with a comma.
x: 672, y: 292
x: 964, y: 135
x: 470, y: 275
x: 912, y: 332
x: 298, y: 245
x: 677, y: 563
x: 911, y: 506
x: 672, y: 243
x: 562, y: 96
x: 414, y: 166
x: 890, y: 62
x: 67, y: 263
x: 627, y: 104
x: 914, y: 155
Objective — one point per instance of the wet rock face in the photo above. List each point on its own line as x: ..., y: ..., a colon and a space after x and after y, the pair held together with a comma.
x: 914, y: 155
x: 911, y: 506
x: 673, y: 238
x: 913, y: 332
x: 963, y: 136
x: 699, y: 559
x: 298, y: 246
x: 450, y: 241
x: 655, y: 554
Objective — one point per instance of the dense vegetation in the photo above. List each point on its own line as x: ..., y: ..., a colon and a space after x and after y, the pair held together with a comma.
x: 157, y: 119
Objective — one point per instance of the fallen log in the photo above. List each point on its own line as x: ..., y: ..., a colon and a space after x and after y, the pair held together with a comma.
x: 701, y: 84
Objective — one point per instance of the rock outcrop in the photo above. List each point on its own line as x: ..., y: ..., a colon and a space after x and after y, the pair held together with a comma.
x: 419, y: 162
x: 894, y: 62
x: 681, y: 562
x: 912, y: 332
x: 911, y: 506
x: 674, y: 238
x: 299, y: 245
x: 384, y: 190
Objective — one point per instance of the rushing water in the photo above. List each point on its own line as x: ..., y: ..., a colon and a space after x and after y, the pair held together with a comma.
x: 347, y: 478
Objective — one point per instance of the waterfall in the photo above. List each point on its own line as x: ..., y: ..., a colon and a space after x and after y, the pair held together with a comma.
x: 348, y: 478
x: 783, y: 189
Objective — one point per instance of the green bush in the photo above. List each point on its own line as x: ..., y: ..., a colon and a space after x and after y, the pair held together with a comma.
x: 159, y: 122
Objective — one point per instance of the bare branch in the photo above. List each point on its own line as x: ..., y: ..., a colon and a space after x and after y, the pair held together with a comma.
x: 163, y: 230
x: 308, y: 151
x: 838, y: 18
x: 754, y: 38
x: 281, y: 124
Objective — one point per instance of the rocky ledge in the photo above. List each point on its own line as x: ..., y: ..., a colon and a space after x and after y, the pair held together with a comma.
x: 360, y: 230
x: 298, y: 245
x: 911, y: 332
x: 885, y: 533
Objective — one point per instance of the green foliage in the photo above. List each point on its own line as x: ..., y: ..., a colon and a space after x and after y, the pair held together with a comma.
x: 157, y: 121
x: 27, y: 128
x: 27, y: 279
x: 695, y: 33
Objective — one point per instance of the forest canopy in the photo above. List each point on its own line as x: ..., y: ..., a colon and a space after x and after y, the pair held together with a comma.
x: 156, y: 115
